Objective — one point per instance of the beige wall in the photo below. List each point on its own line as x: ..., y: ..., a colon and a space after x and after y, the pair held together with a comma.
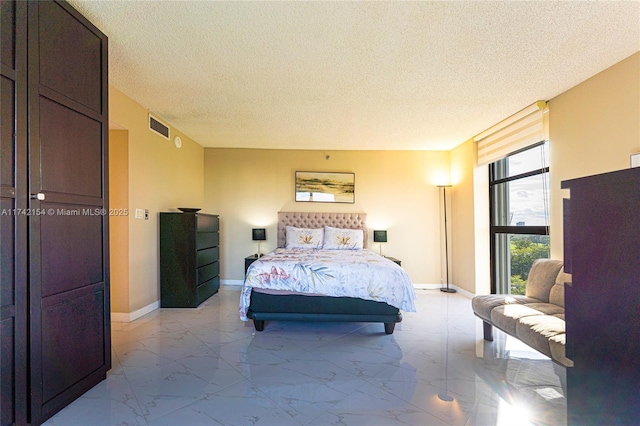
x: 462, y: 218
x: 247, y: 187
x: 161, y: 178
x: 593, y: 128
x: 119, y: 225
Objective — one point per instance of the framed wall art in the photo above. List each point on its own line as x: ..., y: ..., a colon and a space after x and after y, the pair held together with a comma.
x: 325, y: 187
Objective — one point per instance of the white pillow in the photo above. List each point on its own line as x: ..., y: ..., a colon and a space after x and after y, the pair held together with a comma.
x: 343, y: 239
x: 304, y: 238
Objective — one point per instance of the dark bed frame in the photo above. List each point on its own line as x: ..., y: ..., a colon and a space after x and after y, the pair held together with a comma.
x: 265, y: 306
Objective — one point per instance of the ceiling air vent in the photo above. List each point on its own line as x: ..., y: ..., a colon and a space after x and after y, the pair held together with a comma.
x: 158, y: 127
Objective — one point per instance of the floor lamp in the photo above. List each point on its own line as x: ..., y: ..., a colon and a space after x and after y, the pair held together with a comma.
x: 444, y: 396
x: 446, y: 289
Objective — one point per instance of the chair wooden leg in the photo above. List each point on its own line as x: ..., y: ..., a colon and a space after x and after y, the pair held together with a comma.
x: 487, y: 330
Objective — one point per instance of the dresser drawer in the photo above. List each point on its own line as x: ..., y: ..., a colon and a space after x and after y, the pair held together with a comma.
x: 207, y: 289
x: 206, y: 272
x: 207, y: 256
x: 207, y: 223
x: 207, y: 239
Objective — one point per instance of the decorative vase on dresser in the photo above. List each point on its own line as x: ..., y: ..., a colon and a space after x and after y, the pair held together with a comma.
x: 189, y: 258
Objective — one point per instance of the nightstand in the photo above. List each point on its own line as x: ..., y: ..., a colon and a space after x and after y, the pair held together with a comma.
x: 393, y: 259
x: 248, y: 261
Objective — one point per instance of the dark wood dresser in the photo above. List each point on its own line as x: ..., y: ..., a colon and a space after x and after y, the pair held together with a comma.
x: 189, y: 259
x: 602, y: 304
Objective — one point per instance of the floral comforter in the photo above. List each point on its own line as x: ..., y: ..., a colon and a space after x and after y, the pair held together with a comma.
x: 347, y: 273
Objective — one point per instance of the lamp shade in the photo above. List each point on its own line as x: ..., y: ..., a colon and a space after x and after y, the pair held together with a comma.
x: 379, y: 236
x: 259, y: 234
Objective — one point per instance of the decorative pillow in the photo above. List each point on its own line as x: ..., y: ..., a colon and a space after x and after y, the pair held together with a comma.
x: 343, y: 239
x: 305, y: 238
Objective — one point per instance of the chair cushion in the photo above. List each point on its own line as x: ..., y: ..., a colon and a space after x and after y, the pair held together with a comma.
x: 506, y: 317
x: 556, y: 295
x: 536, y: 331
x: 483, y: 305
x: 542, y: 276
x: 557, y: 345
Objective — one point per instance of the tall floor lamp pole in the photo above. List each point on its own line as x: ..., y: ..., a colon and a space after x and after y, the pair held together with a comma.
x: 446, y: 289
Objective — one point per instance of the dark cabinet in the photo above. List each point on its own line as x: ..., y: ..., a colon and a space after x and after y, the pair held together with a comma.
x: 13, y: 227
x: 602, y: 303
x: 54, y: 280
x: 189, y: 259
x: 248, y: 261
x: 394, y: 260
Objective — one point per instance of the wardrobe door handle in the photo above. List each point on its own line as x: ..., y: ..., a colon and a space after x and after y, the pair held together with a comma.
x: 38, y: 196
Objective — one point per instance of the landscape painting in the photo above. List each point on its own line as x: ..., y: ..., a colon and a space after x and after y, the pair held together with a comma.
x: 325, y: 187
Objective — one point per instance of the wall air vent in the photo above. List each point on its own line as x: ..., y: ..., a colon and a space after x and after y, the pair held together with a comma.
x: 158, y: 127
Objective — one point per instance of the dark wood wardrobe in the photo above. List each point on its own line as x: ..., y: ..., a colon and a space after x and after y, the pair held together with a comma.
x: 54, y: 277
x: 602, y: 303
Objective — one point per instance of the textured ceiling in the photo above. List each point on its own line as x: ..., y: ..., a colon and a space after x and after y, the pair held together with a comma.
x: 354, y: 75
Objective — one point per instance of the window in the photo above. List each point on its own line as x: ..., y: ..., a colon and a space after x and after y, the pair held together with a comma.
x: 519, y: 202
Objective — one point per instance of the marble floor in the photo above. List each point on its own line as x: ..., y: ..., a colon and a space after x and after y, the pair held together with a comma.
x: 206, y: 367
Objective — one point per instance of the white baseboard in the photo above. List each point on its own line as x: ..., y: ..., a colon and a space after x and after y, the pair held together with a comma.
x: 132, y: 316
x: 420, y: 286
x: 462, y: 291
x: 232, y: 282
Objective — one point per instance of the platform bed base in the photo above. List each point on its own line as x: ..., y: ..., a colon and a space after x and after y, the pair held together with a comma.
x: 266, y: 307
x: 260, y: 318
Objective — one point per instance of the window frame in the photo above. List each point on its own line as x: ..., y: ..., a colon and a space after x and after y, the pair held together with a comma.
x: 506, y: 230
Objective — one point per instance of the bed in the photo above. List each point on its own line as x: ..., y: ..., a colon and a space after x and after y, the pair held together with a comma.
x: 344, y: 283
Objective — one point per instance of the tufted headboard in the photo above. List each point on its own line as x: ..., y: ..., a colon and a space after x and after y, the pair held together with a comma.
x: 319, y: 220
